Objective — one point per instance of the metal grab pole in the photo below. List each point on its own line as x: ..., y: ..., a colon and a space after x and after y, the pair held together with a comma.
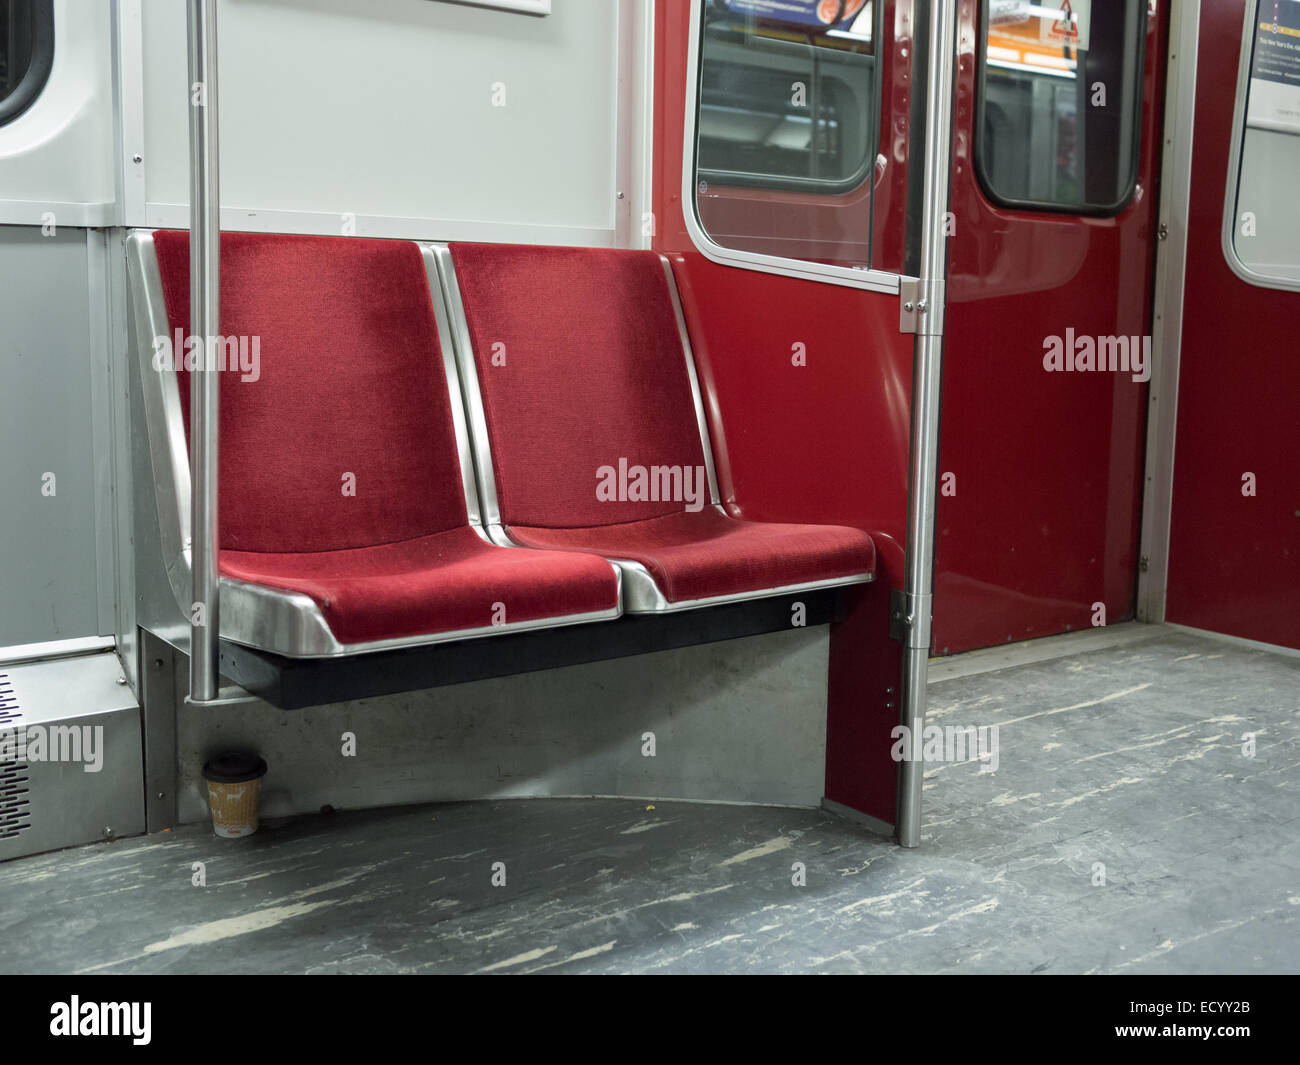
x: 205, y: 394
x: 918, y: 581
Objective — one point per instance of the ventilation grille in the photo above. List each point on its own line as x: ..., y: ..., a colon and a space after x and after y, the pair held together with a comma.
x: 15, y: 814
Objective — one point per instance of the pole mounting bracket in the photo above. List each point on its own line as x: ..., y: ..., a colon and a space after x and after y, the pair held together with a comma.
x: 910, y: 617
x: 920, y: 306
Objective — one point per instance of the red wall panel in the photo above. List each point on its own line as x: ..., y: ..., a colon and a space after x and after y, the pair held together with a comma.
x: 1234, y: 560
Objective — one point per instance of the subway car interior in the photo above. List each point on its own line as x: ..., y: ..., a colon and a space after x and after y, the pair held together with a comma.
x: 583, y: 486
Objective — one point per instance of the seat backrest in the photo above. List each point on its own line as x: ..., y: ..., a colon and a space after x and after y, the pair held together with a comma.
x: 343, y: 437
x: 580, y: 365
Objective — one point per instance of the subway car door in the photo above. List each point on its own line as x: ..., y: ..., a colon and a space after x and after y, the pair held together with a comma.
x: 1234, y: 545
x: 1047, y: 352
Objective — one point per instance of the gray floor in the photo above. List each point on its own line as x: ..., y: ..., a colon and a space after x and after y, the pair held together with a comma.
x: 1128, y: 757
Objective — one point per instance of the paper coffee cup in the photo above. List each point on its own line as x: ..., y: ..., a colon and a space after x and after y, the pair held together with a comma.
x: 234, y: 792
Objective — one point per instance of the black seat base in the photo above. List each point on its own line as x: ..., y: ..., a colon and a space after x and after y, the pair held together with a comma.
x: 298, y: 683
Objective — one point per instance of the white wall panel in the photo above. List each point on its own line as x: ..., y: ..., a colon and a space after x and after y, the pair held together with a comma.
x: 1270, y: 164
x: 58, y: 156
x: 384, y: 110
x: 48, y: 548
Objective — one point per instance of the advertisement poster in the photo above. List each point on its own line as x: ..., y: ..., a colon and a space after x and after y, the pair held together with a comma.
x: 822, y: 14
x: 1043, y: 38
x: 1275, y: 69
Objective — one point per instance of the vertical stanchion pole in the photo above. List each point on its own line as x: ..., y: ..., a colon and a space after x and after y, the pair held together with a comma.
x: 205, y: 394
x: 918, y: 581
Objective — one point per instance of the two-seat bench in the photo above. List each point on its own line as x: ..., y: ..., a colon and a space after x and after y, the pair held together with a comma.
x: 439, y: 443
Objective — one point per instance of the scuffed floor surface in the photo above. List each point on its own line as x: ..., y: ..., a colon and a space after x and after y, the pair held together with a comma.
x: 1129, y: 758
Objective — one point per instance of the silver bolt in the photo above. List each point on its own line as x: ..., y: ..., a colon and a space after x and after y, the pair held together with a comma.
x: 162, y: 794
x: 137, y: 158
x: 121, y: 679
x: 909, y: 306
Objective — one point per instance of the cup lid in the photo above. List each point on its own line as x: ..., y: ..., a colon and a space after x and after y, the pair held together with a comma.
x: 234, y: 767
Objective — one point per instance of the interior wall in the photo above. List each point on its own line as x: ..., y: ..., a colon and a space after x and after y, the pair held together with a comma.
x: 48, y: 543
x: 414, y: 118
x: 58, y: 158
x: 58, y: 177
x: 1234, y: 545
x: 331, y: 109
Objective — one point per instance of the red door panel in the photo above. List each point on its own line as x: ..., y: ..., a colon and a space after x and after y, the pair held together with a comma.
x: 1040, y: 520
x: 1234, y: 559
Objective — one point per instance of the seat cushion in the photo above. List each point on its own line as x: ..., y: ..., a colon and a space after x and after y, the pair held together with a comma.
x: 703, y: 554
x: 433, y: 584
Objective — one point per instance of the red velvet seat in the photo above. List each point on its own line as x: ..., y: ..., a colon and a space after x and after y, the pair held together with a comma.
x: 341, y: 475
x: 705, y: 555
x: 451, y: 580
x: 578, y: 371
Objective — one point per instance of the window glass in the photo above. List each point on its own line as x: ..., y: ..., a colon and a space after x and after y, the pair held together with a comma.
x: 1060, y: 103
x: 26, y: 52
x: 1266, y: 229
x: 786, y: 126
